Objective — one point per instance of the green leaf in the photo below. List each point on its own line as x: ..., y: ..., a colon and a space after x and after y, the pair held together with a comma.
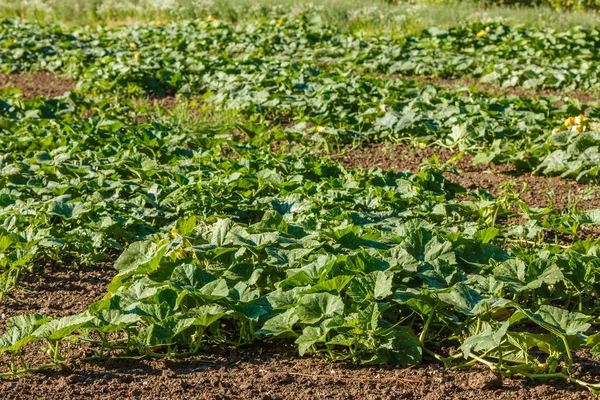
x: 27, y: 320
x: 462, y: 297
x: 220, y: 231
x: 558, y: 321
x: 112, y: 321
x: 60, y: 328
x: 334, y: 285
x: 316, y: 306
x: 186, y: 226
x: 281, y: 325
x: 207, y: 315
x: 21, y: 331
x: 488, y: 340
x: 376, y: 285
x: 310, y: 336
x: 190, y: 277
x: 138, y: 258
x: 396, y: 346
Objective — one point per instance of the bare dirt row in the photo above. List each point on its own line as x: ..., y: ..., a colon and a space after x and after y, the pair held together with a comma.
x: 42, y: 84
x: 541, y: 190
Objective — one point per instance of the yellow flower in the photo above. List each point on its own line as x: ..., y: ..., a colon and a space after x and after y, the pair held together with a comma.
x: 570, y: 121
x: 211, y: 18
x: 578, y: 128
x: 320, y: 129
x: 581, y: 119
x: 280, y: 21
x: 174, y: 232
x: 133, y: 45
x: 137, y: 56
x: 541, y: 366
x: 481, y: 33
x: 500, y: 314
x: 157, y: 23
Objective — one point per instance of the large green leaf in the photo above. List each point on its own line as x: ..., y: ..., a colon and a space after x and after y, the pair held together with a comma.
x: 280, y: 325
x: 376, y: 285
x: 60, y: 328
x: 559, y: 321
x: 316, y: 306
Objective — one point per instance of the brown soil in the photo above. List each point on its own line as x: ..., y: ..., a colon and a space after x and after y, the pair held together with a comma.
x: 489, y: 177
x: 262, y: 371
x: 57, y: 291
x: 43, y: 84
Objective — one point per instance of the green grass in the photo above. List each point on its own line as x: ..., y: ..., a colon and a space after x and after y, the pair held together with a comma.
x: 372, y: 17
x: 188, y: 111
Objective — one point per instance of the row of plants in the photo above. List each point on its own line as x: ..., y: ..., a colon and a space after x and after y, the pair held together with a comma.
x: 82, y: 179
x: 175, y: 54
x: 295, y: 72
x: 223, y: 241
x: 367, y: 265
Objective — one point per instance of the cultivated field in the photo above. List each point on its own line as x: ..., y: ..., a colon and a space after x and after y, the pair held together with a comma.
x: 297, y: 205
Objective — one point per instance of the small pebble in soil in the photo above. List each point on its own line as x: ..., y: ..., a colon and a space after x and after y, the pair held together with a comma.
x: 127, y: 378
x: 168, y: 374
x: 485, y: 380
x: 74, y: 379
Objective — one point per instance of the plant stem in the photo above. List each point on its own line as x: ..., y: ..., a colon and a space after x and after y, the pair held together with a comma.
x: 27, y: 371
x: 445, y: 360
x: 426, y: 326
x: 569, y: 355
x: 56, y: 350
x: 23, y: 362
x: 491, y: 365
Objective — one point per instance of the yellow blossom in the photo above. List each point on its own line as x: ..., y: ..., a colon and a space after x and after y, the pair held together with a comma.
x: 578, y: 128
x: 320, y: 129
x: 157, y: 23
x: 174, y: 232
x: 541, y: 366
x: 581, y: 119
x: 137, y: 56
x: 280, y: 21
x: 211, y: 18
x: 570, y: 121
x: 500, y: 314
x: 133, y: 45
x: 481, y: 33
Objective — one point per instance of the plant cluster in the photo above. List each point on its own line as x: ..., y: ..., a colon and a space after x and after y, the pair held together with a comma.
x: 222, y: 240
x: 290, y: 72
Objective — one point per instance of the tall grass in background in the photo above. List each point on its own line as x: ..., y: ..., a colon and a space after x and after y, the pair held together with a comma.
x: 370, y: 16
